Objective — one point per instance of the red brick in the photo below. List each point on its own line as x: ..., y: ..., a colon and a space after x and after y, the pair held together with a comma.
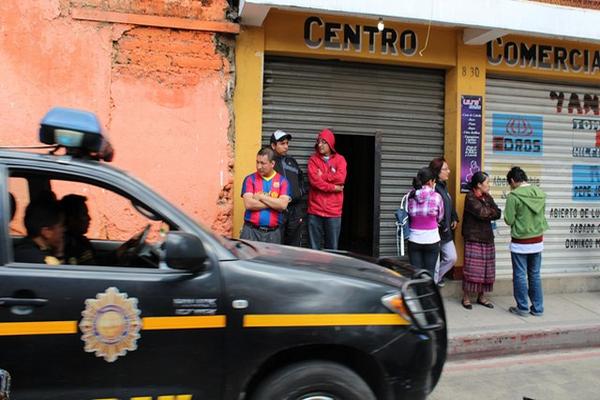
x: 198, y: 63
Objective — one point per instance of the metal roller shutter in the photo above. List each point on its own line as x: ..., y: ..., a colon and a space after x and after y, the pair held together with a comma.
x: 404, y: 106
x: 527, y: 125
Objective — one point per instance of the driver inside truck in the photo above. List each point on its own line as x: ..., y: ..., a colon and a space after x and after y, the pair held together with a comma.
x: 78, y: 248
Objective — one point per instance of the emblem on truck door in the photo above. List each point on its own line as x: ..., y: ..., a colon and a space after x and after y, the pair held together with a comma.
x: 111, y: 324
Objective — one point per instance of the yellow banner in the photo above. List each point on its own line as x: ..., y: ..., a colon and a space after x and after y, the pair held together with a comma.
x: 358, y: 38
x: 543, y: 56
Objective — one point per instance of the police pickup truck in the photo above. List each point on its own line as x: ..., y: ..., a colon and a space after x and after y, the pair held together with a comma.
x: 183, y: 314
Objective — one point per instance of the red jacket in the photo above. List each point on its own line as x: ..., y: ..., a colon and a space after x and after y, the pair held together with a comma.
x: 323, y: 176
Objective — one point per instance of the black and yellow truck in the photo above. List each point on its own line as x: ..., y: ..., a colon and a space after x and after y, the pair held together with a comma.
x: 189, y: 315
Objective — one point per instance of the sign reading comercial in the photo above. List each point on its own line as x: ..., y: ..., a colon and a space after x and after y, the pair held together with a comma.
x: 540, y: 56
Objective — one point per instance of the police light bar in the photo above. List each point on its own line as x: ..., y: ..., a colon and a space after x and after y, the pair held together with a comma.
x: 78, y: 131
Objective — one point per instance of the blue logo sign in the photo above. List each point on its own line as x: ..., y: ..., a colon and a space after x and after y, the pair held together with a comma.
x: 520, y: 135
x: 586, y: 182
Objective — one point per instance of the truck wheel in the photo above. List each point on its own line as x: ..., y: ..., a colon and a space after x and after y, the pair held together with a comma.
x: 314, y: 380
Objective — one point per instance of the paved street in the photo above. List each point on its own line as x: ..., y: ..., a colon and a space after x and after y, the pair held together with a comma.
x: 558, y: 375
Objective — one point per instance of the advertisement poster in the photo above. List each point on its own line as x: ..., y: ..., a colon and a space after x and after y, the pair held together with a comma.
x: 552, y: 132
x: 470, y: 127
x: 518, y: 135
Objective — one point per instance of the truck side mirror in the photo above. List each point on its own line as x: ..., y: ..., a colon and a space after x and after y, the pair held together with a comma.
x: 184, y: 251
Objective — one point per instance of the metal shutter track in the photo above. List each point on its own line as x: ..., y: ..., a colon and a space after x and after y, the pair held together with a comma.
x: 405, y: 105
x: 511, y: 96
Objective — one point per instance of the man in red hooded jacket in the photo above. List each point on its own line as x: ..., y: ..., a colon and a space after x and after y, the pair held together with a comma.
x: 326, y: 175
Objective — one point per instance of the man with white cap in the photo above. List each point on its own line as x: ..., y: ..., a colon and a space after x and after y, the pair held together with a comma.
x: 288, y: 167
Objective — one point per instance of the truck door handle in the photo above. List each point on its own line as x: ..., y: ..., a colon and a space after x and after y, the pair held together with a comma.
x: 18, y: 301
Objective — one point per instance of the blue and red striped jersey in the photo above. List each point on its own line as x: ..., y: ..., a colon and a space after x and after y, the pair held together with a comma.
x: 276, y: 186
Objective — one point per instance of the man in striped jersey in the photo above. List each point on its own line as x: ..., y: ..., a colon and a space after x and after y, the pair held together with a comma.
x: 266, y: 196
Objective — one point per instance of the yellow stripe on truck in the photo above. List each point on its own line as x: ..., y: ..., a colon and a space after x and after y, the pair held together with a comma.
x: 163, y: 397
x: 294, y: 320
x: 211, y: 322
x: 148, y: 324
x: 37, y: 328
x: 194, y: 322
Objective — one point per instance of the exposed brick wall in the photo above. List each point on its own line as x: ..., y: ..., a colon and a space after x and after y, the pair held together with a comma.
x: 592, y: 4
x: 172, y: 57
x: 177, y: 59
x: 163, y: 94
x: 197, y: 9
x: 223, y: 224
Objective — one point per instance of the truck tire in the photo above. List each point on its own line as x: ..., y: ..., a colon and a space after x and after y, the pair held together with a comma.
x: 314, y: 380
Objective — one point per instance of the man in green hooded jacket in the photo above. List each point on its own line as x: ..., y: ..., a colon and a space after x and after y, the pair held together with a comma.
x: 525, y: 213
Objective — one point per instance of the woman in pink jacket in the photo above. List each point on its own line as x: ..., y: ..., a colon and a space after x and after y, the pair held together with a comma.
x: 425, y: 211
x: 326, y: 175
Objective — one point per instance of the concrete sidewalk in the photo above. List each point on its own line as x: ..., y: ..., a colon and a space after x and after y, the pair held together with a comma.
x: 570, y: 320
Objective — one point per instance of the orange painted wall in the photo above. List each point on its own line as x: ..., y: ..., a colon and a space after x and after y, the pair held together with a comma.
x: 162, y: 94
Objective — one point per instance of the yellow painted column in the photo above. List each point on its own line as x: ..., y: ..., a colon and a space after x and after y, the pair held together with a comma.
x: 247, y: 104
x: 467, y: 78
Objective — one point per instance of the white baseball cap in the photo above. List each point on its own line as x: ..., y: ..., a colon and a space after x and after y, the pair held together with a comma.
x: 280, y: 135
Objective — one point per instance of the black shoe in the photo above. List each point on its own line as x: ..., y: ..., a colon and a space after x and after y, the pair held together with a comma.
x: 467, y: 305
x: 486, y: 303
x: 516, y: 311
x: 536, y: 314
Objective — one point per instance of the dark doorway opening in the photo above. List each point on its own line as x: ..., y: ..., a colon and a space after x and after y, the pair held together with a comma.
x: 358, y: 212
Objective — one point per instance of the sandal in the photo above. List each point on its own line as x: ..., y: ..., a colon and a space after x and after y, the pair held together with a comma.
x: 485, y: 303
x: 466, y: 304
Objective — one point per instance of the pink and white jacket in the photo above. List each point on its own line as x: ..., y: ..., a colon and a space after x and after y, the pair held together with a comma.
x: 425, y: 210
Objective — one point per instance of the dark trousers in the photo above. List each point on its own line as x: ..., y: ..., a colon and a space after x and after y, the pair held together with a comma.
x: 250, y: 232
x: 424, y: 256
x: 293, y: 221
x: 324, y: 230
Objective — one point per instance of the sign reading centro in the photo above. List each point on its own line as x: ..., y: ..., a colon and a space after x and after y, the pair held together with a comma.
x: 542, y: 56
x: 338, y: 36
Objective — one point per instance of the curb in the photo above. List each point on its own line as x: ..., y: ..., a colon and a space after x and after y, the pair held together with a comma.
x: 551, y: 283
x: 501, y: 343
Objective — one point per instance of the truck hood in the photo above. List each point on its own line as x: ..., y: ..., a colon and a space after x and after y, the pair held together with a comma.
x: 389, y: 272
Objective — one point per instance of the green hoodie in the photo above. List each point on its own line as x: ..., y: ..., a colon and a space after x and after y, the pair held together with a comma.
x: 525, y: 212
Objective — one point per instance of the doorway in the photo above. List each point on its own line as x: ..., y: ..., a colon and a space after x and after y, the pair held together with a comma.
x: 357, y: 234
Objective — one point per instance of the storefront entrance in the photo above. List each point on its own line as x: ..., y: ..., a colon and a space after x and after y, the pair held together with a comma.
x: 388, y: 122
x: 358, y: 214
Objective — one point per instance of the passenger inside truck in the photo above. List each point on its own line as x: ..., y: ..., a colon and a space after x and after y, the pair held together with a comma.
x: 45, y: 228
x: 101, y: 226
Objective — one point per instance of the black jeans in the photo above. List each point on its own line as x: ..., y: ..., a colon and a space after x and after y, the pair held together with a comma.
x: 424, y: 256
x: 293, y: 221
